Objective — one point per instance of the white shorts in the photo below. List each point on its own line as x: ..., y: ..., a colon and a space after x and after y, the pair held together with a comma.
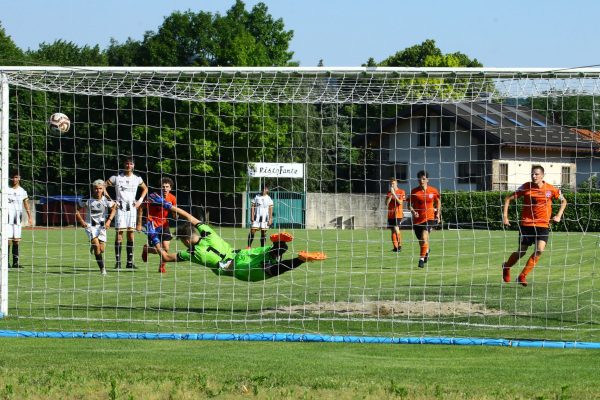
x: 260, y: 225
x: 126, y: 219
x: 96, y: 232
x: 14, y: 231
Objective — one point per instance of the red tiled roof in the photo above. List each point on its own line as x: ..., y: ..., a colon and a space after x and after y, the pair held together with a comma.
x: 588, y: 134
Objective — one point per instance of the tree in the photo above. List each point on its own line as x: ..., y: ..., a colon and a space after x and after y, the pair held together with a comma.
x: 427, y: 54
x: 10, y: 54
x: 65, y: 53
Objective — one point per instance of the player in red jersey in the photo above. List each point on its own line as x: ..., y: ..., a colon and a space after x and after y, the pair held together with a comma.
x: 394, y: 200
x: 426, y: 215
x: 536, y: 214
x: 158, y: 217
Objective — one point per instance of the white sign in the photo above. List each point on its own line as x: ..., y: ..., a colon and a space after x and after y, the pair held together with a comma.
x: 276, y: 170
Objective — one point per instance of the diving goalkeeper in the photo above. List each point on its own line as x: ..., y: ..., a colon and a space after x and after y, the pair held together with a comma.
x: 206, y: 247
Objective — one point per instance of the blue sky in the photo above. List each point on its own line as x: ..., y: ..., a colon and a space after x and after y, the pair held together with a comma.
x: 511, y: 33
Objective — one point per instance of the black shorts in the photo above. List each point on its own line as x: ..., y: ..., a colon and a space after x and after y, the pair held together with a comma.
x: 420, y: 228
x: 394, y: 222
x: 529, y: 235
x: 164, y: 234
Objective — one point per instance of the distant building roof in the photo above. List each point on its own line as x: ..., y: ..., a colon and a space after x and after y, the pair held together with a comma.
x: 592, y: 135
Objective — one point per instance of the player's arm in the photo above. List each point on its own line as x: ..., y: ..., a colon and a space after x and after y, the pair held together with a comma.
x: 252, y: 211
x: 414, y: 212
x: 507, y: 201
x: 165, y: 256
x: 439, y: 209
x: 79, y: 218
x: 139, y: 201
x: 388, y: 200
x: 561, y: 210
x: 271, y: 215
x: 27, y: 210
x: 184, y: 214
x: 111, y: 216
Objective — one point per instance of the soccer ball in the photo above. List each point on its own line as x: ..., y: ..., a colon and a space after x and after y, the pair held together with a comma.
x: 59, y: 123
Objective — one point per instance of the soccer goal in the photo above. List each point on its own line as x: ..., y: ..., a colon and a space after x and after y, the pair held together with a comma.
x: 439, y: 277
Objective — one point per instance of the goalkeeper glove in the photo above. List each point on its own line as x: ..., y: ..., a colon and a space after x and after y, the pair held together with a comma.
x: 152, y: 234
x: 156, y: 199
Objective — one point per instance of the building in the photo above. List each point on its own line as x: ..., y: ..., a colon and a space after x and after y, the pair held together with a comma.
x: 476, y: 146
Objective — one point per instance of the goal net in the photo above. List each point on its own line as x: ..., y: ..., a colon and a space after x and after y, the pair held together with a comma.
x: 477, y: 133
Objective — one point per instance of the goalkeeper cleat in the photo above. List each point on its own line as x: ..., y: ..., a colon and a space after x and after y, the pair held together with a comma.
x: 282, y: 237
x: 145, y: 253
x: 308, y: 256
x: 521, y: 280
x: 505, y: 273
x: 162, y: 269
x: 421, y: 263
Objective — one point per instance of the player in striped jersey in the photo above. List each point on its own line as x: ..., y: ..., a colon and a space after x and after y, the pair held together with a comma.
x: 261, y: 215
x: 17, y: 201
x: 96, y: 223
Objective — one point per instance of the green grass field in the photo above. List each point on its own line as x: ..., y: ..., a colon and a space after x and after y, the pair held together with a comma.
x: 362, y: 289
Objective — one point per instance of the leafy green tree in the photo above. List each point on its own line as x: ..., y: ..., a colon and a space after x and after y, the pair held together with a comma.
x: 65, y: 53
x: 10, y: 53
x: 427, y: 54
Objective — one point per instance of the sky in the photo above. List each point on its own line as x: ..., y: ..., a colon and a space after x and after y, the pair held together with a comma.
x: 345, y: 33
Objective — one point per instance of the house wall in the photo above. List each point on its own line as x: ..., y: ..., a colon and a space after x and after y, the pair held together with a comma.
x: 519, y: 172
x: 345, y: 211
x: 587, y: 167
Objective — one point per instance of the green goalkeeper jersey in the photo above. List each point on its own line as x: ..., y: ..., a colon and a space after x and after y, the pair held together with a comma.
x: 247, y: 265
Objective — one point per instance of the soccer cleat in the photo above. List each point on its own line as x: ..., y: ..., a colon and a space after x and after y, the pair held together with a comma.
x: 145, y: 253
x: 162, y: 268
x: 505, y: 273
x: 118, y: 265
x: 130, y: 265
x: 17, y: 266
x: 282, y: 237
x: 521, y: 280
x: 308, y: 256
x: 103, y: 271
x: 248, y: 247
x: 397, y: 249
x: 421, y: 263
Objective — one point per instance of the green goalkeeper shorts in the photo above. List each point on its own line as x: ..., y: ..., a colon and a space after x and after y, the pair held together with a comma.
x: 249, y: 264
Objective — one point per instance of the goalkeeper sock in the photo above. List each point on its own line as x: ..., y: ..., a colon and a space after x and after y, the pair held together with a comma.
x: 395, y: 239
x: 129, y: 252
x: 118, y: 252
x: 424, y: 249
x: 263, y: 238
x: 512, y: 260
x: 283, y: 266
x: 250, y: 238
x: 100, y: 261
x: 533, y: 260
x: 15, y: 254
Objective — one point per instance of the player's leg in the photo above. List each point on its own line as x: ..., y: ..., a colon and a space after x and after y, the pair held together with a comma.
x: 118, y: 245
x: 251, y: 236
x: 525, y: 240
x: 16, y: 239
x: 278, y: 268
x: 397, y: 237
x: 98, y: 250
x: 541, y: 239
x: 130, y: 242
x: 422, y: 235
x: 263, y: 237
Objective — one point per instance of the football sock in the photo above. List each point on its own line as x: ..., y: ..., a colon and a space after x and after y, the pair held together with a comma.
x: 424, y: 249
x: 250, y: 238
x: 129, y: 252
x: 118, y: 252
x: 533, y: 260
x: 395, y: 238
x: 100, y: 260
x: 283, y: 266
x: 15, y: 253
x: 263, y: 238
x: 512, y: 260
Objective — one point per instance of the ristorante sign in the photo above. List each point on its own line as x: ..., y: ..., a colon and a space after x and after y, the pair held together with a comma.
x: 276, y: 170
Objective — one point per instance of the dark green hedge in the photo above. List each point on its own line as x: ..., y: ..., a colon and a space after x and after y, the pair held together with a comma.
x: 484, y: 210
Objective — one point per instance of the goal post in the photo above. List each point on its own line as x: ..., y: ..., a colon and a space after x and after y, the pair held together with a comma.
x: 476, y: 131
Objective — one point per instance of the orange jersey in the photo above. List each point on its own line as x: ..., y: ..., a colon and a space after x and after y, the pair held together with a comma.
x: 422, y: 201
x: 157, y: 214
x: 537, y: 203
x: 395, y: 206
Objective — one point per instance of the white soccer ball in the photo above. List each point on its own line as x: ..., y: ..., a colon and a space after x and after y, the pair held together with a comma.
x: 59, y: 123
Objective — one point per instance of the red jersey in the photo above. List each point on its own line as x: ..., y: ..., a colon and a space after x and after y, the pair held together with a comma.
x: 157, y: 214
x: 422, y: 201
x: 395, y: 206
x: 537, y: 203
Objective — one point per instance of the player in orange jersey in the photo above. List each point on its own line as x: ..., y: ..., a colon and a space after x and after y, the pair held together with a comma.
x: 394, y: 200
x: 426, y: 215
x: 157, y: 216
x: 536, y: 214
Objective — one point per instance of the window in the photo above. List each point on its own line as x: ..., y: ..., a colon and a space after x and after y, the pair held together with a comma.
x: 502, y: 183
x: 565, y: 177
x: 471, y: 172
x: 399, y: 171
x: 514, y: 121
x: 539, y: 123
x: 488, y: 119
x: 434, y: 132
